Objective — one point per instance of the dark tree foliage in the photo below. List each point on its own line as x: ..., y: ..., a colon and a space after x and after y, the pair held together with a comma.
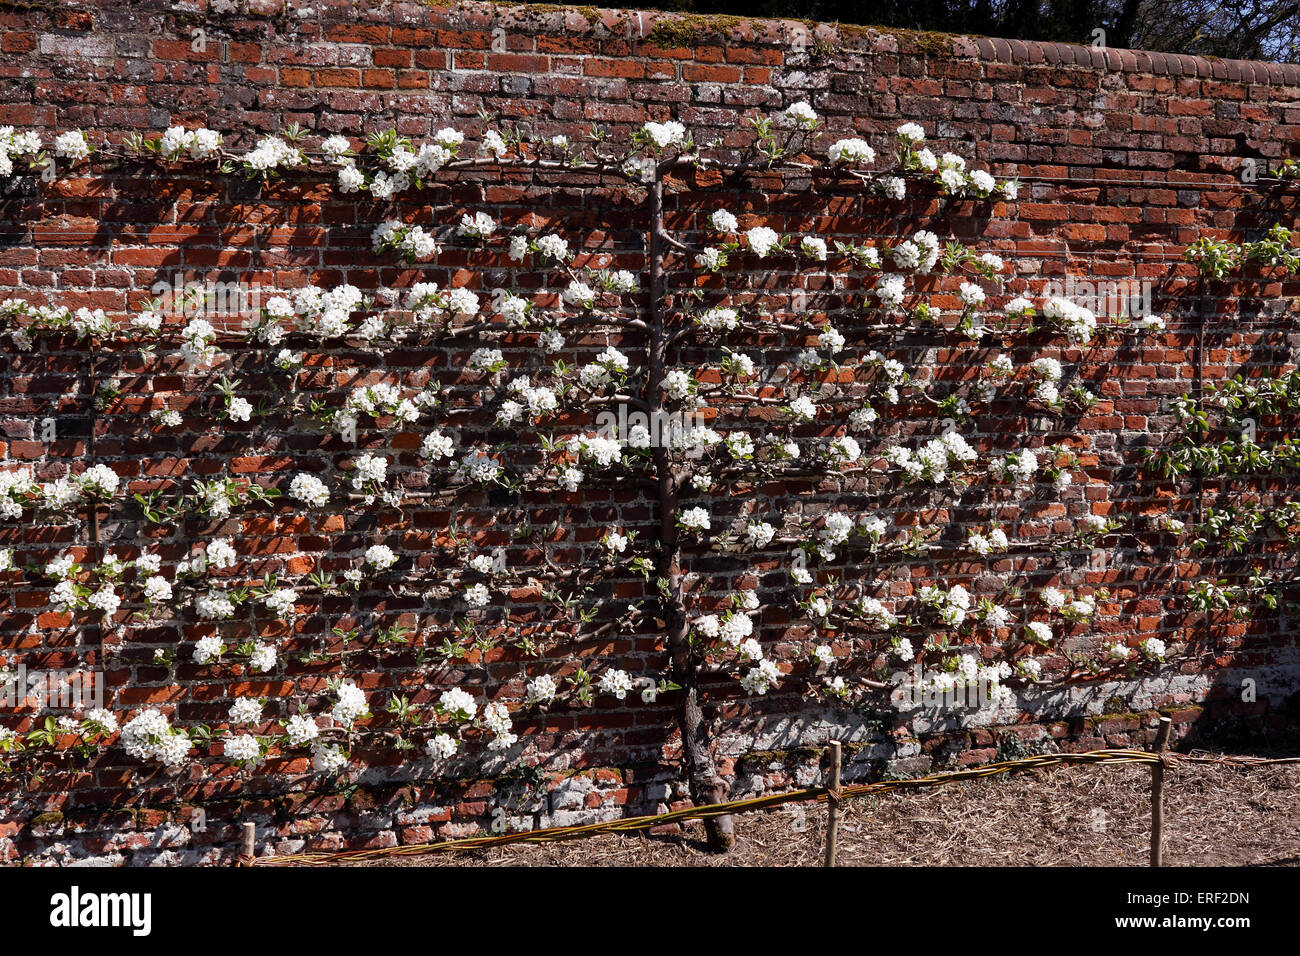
x: 1239, y: 29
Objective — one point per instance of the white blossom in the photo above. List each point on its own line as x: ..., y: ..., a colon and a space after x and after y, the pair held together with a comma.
x: 851, y: 151
x: 615, y: 682
x: 759, y: 679
x: 762, y: 240
x: 351, y: 705
x: 301, y: 730
x: 458, y: 704
x: 723, y: 221
x: 441, y: 746
x: 72, y: 145
x: 309, y: 489
x: 245, y: 710
x: 800, y: 114
x: 380, y: 557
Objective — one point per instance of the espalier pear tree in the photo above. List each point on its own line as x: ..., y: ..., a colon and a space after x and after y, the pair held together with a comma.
x: 738, y: 395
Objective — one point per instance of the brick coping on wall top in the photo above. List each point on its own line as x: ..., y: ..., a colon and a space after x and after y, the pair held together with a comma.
x: 686, y: 29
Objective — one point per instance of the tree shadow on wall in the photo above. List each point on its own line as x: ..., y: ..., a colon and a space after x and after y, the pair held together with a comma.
x: 1252, y: 708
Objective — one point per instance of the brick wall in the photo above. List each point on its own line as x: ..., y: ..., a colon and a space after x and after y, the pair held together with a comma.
x: 1126, y: 157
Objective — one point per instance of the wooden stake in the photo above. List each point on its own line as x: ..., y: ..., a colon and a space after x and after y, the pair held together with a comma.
x: 1158, y: 794
x: 249, y: 844
x: 833, y: 805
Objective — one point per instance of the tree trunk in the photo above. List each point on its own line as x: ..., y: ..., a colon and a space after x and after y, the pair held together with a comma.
x: 706, y: 785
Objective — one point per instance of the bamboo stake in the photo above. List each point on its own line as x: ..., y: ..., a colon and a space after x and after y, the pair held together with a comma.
x: 1158, y: 794
x: 833, y: 805
x: 249, y: 852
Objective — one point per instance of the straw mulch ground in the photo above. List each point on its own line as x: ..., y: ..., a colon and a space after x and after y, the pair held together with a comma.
x: 1066, y: 816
